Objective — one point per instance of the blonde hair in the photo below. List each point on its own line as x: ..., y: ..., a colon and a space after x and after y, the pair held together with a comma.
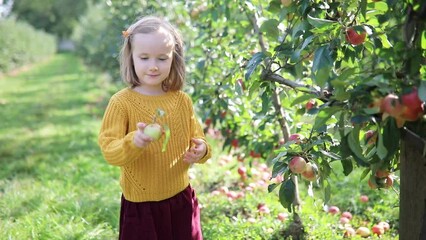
x: 176, y: 78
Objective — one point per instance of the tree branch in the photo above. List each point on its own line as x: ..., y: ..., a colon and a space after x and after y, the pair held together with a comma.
x: 269, y: 76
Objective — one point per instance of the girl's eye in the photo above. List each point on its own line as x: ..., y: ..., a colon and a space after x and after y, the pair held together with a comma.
x: 163, y: 59
x: 144, y: 58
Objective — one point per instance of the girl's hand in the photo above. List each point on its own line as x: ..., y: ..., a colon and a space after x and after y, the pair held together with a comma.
x: 140, y: 139
x: 197, y: 151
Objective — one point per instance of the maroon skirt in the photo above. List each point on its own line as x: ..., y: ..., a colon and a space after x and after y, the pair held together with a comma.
x: 176, y: 218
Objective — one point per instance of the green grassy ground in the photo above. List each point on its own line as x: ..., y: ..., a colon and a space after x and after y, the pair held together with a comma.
x: 54, y: 183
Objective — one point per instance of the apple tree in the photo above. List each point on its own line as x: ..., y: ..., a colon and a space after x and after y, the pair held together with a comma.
x: 320, y: 81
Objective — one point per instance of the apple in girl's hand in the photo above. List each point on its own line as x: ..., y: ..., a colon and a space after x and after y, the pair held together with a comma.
x: 153, y: 130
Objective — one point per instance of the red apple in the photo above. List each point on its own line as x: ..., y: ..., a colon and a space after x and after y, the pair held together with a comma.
x: 389, y: 181
x: 371, y: 137
x: 263, y: 209
x: 349, y: 232
x: 411, y: 114
x: 414, y: 107
x: 355, y: 38
x: 254, y: 154
x: 344, y: 220
x: 385, y: 225
x: 382, y: 173
x: 242, y: 171
x: 208, y: 121
x: 297, y: 164
x: 392, y: 106
x: 412, y: 99
x: 372, y: 183
x: 295, y: 137
x: 347, y: 215
x: 282, y: 216
x: 153, y: 130
x: 363, y: 231
x: 377, y: 229
x: 363, y: 198
x: 234, y: 143
x: 310, y: 172
x: 333, y: 210
x: 310, y: 104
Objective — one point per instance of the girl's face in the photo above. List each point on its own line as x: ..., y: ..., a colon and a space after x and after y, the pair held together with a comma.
x: 152, y: 57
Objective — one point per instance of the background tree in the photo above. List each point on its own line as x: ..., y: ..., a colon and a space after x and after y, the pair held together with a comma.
x: 55, y: 17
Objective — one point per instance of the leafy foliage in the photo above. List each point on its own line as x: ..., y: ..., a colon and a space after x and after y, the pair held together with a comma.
x: 55, y: 17
x: 22, y: 44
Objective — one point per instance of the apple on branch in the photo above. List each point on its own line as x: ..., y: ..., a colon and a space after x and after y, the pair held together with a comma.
x: 311, y: 172
x: 355, y: 37
x: 297, y: 164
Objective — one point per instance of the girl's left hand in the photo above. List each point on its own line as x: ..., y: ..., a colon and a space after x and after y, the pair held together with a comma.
x: 197, y: 151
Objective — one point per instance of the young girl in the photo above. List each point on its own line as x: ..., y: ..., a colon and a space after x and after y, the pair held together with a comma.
x: 157, y: 201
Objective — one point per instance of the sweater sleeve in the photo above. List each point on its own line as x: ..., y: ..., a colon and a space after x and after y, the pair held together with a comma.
x: 115, y: 142
x: 197, y: 131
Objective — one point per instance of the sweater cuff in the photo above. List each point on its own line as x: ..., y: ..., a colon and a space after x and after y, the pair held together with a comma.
x: 208, y: 154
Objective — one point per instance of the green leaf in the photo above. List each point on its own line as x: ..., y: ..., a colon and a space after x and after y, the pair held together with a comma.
x: 348, y: 167
x: 364, y: 173
x: 330, y: 155
x: 296, y: 54
x: 270, y: 27
x: 323, y: 115
x: 167, y: 138
x: 303, y: 98
x: 279, y: 168
x: 253, y: 63
x: 384, y: 40
x: 327, y: 191
x: 271, y: 187
x: 322, y: 76
x: 382, y: 152
x: 423, y: 39
x: 354, y: 145
x: 381, y: 6
x: 322, y: 58
x: 363, y: 7
x: 422, y: 90
x: 286, y: 193
x: 239, y: 88
x: 391, y: 137
x: 319, y: 23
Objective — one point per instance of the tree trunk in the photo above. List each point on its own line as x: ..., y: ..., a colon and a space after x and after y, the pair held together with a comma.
x: 412, y: 214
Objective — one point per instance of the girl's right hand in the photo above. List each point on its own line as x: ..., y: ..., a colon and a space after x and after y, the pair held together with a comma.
x: 140, y: 139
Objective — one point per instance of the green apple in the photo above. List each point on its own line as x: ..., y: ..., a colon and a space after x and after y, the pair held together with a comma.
x: 153, y: 130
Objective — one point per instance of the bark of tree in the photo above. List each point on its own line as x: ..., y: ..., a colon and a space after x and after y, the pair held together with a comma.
x: 412, y: 215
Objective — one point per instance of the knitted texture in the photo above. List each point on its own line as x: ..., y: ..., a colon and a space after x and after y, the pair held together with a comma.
x: 147, y: 174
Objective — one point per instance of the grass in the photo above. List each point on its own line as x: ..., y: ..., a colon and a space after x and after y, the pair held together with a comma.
x: 54, y: 183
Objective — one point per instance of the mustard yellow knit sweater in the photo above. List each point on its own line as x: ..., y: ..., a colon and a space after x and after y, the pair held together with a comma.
x: 147, y: 174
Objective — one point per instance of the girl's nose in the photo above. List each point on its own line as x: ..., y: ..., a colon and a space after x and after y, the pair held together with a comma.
x: 153, y: 68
